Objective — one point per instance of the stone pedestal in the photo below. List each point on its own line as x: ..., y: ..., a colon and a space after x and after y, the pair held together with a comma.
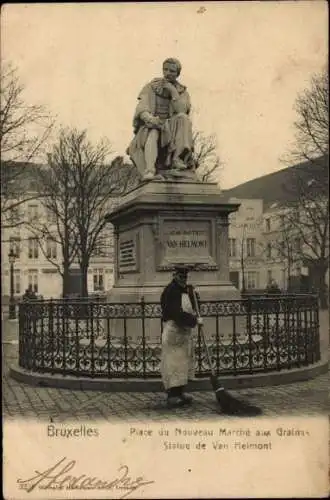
x: 160, y: 224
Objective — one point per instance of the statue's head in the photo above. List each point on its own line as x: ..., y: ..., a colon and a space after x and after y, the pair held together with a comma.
x: 171, y: 65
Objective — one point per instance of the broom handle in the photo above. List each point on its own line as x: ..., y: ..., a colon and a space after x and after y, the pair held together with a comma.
x: 208, y: 355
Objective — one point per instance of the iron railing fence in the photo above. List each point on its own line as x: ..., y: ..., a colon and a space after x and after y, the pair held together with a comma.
x: 251, y: 335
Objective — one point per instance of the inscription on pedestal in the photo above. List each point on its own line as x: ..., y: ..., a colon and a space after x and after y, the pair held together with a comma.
x: 127, y: 255
x: 178, y: 241
x: 187, y: 241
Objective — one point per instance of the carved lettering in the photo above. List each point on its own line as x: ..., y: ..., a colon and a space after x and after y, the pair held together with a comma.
x: 187, y: 244
x: 127, y: 255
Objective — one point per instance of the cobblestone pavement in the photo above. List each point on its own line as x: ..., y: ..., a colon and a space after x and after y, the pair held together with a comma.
x: 59, y: 405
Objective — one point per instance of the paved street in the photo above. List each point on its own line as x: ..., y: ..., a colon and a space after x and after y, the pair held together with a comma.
x: 21, y: 400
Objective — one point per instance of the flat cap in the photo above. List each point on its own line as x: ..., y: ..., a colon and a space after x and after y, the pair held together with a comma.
x: 183, y: 268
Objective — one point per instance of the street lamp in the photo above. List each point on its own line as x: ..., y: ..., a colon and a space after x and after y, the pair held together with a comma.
x: 12, y: 307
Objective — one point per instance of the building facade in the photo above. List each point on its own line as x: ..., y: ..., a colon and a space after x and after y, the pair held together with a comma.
x: 261, y: 247
x: 293, y: 242
x: 255, y: 257
x: 37, y: 262
x: 246, y: 249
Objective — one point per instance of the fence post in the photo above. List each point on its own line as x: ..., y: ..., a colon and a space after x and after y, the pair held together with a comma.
x: 21, y: 334
x: 143, y: 337
x: 249, y: 330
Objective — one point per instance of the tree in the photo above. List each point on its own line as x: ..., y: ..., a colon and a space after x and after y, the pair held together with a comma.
x: 55, y: 187
x: 281, y: 248
x: 307, y: 224
x: 24, y: 129
x: 205, y: 156
x: 307, y: 217
x: 88, y: 184
x: 312, y: 124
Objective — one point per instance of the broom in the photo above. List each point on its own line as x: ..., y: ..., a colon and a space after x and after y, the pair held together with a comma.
x: 228, y: 404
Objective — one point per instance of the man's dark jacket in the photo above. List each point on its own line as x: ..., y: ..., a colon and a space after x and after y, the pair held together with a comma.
x: 172, y: 308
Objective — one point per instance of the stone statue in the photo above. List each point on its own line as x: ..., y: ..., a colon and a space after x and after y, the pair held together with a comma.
x: 162, y: 144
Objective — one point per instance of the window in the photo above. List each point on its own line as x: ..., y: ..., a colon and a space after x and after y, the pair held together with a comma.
x: 33, y: 280
x: 33, y: 248
x: 267, y: 224
x: 51, y: 216
x: 51, y: 249
x: 269, y: 250
x: 98, y: 249
x: 15, y: 246
x: 297, y: 244
x: 252, y: 279
x: 269, y: 275
x: 98, y: 280
x: 282, y: 220
x: 32, y: 212
x: 13, y: 215
x: 251, y: 247
x: 17, y: 281
x: 232, y: 247
x: 281, y: 250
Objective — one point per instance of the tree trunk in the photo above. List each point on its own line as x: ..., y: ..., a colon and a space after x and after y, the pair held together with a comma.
x: 84, y: 280
x: 323, y: 289
x: 66, y: 280
x: 318, y: 272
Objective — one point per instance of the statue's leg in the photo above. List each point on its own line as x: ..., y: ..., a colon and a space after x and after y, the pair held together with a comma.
x: 151, y: 152
x: 182, y: 139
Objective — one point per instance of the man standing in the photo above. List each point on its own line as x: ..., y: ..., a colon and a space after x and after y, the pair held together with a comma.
x: 162, y: 127
x: 179, y: 318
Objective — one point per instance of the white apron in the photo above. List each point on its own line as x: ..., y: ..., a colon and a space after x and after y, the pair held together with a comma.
x: 177, y: 359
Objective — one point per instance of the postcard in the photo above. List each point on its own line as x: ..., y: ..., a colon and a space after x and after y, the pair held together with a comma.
x: 165, y: 250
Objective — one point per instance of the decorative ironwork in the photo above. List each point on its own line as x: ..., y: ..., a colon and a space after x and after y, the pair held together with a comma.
x: 78, y: 337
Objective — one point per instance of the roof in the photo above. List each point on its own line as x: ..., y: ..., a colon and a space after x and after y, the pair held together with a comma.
x: 18, y: 172
x: 23, y: 176
x: 280, y: 187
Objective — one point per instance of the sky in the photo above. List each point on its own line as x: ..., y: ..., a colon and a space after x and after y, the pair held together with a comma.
x: 243, y: 63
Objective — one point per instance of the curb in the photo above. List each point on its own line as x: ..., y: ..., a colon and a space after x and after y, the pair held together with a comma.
x: 141, y: 385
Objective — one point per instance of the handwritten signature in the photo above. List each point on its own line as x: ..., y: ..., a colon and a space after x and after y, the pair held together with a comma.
x: 57, y: 477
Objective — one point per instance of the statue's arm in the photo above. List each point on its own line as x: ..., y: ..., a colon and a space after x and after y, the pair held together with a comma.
x: 143, y: 106
x: 143, y: 111
x: 150, y: 120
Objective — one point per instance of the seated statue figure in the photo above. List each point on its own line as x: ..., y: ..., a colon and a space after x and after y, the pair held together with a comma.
x: 162, y: 127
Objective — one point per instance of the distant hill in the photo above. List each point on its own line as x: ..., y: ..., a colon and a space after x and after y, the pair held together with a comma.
x: 280, y: 186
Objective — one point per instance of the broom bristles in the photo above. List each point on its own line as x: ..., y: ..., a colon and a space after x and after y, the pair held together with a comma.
x: 229, y: 404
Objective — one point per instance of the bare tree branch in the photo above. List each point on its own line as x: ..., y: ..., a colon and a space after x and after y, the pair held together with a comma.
x: 205, y: 156
x: 24, y: 130
x: 78, y: 186
x: 307, y: 214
